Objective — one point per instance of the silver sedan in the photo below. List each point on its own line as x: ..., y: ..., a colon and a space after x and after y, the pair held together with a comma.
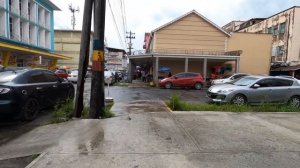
x: 257, y: 90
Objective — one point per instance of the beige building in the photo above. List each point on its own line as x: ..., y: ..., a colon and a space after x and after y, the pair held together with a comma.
x: 67, y: 42
x: 285, y: 29
x: 192, y: 43
x: 254, y: 58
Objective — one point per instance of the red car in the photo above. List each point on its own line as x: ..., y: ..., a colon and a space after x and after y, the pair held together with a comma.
x: 61, y: 73
x: 185, y: 79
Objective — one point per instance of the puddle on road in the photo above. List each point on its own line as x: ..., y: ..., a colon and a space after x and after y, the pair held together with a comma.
x: 147, y: 106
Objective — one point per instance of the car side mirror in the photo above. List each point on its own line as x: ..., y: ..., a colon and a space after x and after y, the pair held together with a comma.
x: 256, y: 86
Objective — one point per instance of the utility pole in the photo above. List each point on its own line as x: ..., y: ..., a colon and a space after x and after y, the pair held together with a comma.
x: 84, y: 56
x: 97, y: 89
x: 73, y: 19
x: 131, y: 36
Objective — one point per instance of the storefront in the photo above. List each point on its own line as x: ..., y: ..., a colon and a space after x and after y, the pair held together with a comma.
x: 17, y: 56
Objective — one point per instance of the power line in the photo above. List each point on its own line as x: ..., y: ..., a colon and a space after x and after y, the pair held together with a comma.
x: 116, y: 26
x: 124, y: 18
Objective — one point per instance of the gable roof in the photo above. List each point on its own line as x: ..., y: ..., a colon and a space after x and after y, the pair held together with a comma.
x: 198, y: 14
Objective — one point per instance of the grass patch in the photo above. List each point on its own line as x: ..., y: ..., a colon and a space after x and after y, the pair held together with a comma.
x: 34, y: 156
x: 64, y: 112
x: 176, y: 104
x: 107, y: 111
x: 121, y: 84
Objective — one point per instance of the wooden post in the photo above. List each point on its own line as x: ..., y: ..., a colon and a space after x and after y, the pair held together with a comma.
x: 97, y: 89
x: 84, y: 56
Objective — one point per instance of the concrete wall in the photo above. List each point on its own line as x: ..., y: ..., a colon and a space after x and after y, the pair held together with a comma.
x: 256, y: 51
x: 294, y: 48
x: 177, y: 66
x: 190, y: 33
x: 68, y: 43
x: 289, y: 40
x: 195, y: 65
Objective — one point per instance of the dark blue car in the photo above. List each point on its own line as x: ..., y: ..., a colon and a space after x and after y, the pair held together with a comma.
x: 24, y: 92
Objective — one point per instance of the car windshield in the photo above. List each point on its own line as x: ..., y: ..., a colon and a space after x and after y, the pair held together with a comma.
x: 8, y: 76
x: 245, y: 81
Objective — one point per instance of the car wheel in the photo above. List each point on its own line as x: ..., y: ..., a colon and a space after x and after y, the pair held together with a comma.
x: 294, y: 102
x: 198, y: 86
x: 168, y: 85
x: 30, y: 109
x: 239, y: 100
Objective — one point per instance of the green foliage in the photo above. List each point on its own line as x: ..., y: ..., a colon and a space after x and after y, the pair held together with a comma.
x: 121, y: 84
x: 64, y: 112
x: 107, y: 111
x: 177, y: 105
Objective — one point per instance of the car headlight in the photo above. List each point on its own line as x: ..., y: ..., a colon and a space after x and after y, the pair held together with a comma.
x: 4, y: 90
x: 226, y: 91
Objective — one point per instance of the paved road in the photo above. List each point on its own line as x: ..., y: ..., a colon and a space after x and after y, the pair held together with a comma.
x: 128, y: 94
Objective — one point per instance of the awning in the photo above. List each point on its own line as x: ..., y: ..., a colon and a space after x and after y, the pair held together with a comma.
x: 31, y: 51
x: 288, y: 68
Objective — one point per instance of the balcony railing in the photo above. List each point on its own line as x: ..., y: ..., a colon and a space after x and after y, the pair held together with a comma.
x: 197, y: 52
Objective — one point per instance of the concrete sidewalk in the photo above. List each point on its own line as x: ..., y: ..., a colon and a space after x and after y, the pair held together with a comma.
x: 145, y: 134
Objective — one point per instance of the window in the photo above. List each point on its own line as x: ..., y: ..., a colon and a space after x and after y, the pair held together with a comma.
x: 20, y: 7
x: 10, y: 27
x: 180, y: 75
x: 265, y: 83
x: 280, y: 51
x: 36, y: 77
x: 282, y: 28
x: 21, y: 31
x: 51, y: 77
x: 282, y: 82
x: 10, y: 3
x: 270, y: 30
x: 275, y: 30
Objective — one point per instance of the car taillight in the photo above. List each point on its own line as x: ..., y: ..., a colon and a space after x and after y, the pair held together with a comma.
x: 4, y: 90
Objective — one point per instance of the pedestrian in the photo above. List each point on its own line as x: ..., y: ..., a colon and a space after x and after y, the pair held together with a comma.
x: 170, y: 74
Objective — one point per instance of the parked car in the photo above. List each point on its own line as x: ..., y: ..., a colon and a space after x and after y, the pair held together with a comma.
x: 2, y: 69
x: 184, y: 79
x: 228, y: 78
x: 257, y: 90
x: 23, y: 93
x: 61, y: 73
x: 73, y: 76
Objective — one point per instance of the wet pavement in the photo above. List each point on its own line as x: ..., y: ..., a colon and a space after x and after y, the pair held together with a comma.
x: 145, y: 133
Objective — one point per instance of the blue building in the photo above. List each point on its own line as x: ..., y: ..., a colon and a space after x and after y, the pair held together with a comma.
x: 27, y: 33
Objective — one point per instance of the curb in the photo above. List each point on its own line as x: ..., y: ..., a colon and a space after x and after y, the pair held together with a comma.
x: 36, y: 160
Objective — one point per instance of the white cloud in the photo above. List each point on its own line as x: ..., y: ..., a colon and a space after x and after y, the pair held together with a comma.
x: 146, y: 15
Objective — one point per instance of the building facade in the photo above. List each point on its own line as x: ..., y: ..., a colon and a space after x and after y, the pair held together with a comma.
x: 285, y: 29
x: 115, y: 59
x: 192, y: 43
x: 67, y: 42
x: 27, y: 33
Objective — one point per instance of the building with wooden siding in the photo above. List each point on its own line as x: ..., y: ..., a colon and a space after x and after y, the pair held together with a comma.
x: 190, y: 43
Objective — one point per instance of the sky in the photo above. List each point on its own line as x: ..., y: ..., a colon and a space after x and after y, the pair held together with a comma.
x: 146, y: 15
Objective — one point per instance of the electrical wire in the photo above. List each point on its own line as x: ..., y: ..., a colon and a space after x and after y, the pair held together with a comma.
x: 116, y: 26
